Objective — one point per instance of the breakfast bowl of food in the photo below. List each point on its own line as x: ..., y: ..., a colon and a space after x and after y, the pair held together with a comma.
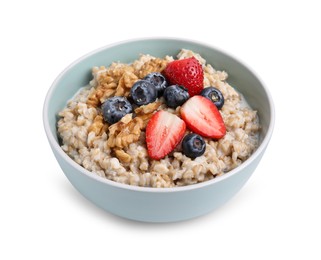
x: 158, y: 129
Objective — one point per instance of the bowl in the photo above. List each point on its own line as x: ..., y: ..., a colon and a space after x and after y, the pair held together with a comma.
x: 157, y: 204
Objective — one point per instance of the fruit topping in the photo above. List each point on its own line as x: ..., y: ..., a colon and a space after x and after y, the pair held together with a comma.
x: 115, y: 108
x: 193, y: 145
x: 158, y: 80
x: 202, y: 117
x: 163, y: 133
x: 214, y: 95
x: 143, y: 92
x: 175, y: 96
x: 186, y: 72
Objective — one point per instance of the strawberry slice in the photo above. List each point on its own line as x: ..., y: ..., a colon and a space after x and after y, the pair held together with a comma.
x: 202, y: 117
x: 186, y: 72
x: 163, y: 133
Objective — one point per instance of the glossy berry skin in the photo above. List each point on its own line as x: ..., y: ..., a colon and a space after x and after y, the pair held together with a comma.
x: 202, y: 117
x: 193, y: 145
x: 175, y: 96
x: 115, y: 108
x: 158, y: 80
x: 214, y: 95
x: 164, y: 131
x: 186, y: 72
x: 143, y: 92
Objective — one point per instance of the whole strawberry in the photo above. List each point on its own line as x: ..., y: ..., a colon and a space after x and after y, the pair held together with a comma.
x: 186, y: 72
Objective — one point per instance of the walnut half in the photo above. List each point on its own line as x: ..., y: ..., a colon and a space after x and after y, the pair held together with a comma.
x: 98, y: 126
x: 124, y: 132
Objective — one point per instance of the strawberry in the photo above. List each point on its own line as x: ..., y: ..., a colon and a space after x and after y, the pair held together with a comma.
x: 202, y: 116
x: 163, y: 133
x: 186, y: 72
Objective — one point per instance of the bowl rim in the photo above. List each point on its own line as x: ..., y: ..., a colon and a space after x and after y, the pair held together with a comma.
x: 54, y: 144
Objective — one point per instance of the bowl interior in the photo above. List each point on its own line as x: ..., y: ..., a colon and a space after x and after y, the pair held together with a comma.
x: 78, y: 74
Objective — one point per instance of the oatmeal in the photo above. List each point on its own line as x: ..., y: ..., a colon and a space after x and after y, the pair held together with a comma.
x: 117, y: 143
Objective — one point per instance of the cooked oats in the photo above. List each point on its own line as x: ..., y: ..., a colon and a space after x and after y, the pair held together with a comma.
x: 118, y: 152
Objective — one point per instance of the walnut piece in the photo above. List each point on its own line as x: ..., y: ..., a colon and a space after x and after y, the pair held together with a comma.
x: 114, y: 81
x: 153, y: 65
x: 125, y: 83
x: 124, y: 132
x: 106, y: 88
x: 145, y: 112
x: 98, y: 126
x: 117, y: 70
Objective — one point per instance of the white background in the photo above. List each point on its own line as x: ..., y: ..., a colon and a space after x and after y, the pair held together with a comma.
x: 275, y: 216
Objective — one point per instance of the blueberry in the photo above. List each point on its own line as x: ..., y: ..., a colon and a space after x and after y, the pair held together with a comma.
x: 193, y: 145
x: 158, y: 80
x: 115, y: 108
x: 143, y: 92
x: 175, y: 96
x: 214, y: 95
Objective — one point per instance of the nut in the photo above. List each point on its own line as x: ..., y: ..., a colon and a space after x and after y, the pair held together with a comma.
x: 145, y: 112
x: 98, y: 126
x: 103, y: 91
x: 125, y: 83
x: 114, y: 81
x: 153, y: 65
x: 124, y: 132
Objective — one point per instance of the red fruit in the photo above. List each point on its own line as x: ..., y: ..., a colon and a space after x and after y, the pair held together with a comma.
x: 163, y: 133
x: 202, y: 117
x: 186, y: 72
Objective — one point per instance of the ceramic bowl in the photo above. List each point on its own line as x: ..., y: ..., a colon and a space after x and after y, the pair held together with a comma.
x: 157, y: 204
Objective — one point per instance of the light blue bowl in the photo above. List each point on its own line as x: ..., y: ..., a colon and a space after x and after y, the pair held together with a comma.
x: 156, y: 204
